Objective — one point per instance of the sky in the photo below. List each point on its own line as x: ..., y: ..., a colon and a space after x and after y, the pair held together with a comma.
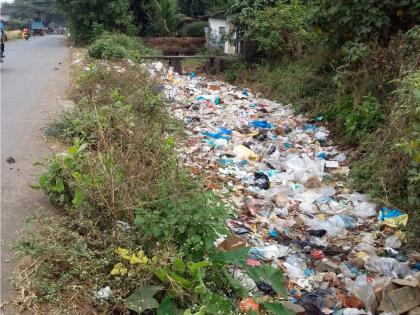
x: 1, y: 1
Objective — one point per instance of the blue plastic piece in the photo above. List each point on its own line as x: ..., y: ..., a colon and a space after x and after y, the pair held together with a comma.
x: 349, y: 221
x: 226, y: 162
x: 310, y: 127
x: 386, y: 213
x: 261, y: 124
x: 309, y: 272
x: 215, y: 135
x: 273, y: 233
x: 287, y: 145
x: 322, y: 155
x: 225, y: 131
x: 242, y: 163
x: 256, y: 253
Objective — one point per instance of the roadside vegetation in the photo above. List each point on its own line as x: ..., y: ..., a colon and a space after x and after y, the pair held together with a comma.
x: 135, y: 231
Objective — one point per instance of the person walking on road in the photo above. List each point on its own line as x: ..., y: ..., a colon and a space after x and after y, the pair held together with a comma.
x: 3, y: 39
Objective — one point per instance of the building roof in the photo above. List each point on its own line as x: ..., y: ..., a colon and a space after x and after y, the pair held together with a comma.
x: 218, y: 15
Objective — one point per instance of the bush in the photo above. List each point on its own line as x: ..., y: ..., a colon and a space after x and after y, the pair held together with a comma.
x: 341, y: 21
x: 194, y: 29
x: 115, y: 46
x: 356, y: 120
x: 279, y: 30
x: 104, y: 49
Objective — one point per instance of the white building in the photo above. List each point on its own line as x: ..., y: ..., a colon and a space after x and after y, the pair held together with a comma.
x: 218, y: 32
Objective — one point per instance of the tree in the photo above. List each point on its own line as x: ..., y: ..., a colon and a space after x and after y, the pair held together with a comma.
x: 341, y: 21
x: 27, y: 10
x: 89, y: 18
x: 196, y: 8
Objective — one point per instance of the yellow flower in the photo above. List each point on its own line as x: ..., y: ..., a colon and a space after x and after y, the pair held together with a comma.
x: 119, y: 270
x: 142, y: 257
x: 123, y: 253
x: 134, y: 260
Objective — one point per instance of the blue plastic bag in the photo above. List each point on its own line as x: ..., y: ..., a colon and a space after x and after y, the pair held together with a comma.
x: 261, y: 124
x: 215, y: 135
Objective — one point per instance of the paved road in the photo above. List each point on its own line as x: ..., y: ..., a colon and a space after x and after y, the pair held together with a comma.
x: 30, y: 85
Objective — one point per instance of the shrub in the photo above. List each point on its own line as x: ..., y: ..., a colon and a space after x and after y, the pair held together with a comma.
x: 356, y: 120
x: 279, y: 30
x: 354, y: 52
x: 194, y: 29
x: 341, y: 21
x: 117, y: 46
x: 103, y: 49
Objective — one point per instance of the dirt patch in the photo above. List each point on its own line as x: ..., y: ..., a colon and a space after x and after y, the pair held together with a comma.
x: 186, y: 45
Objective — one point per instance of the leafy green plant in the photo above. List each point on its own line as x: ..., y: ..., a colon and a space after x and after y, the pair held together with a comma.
x: 58, y: 181
x: 279, y: 30
x: 409, y: 97
x: 117, y: 46
x: 184, y: 215
x: 189, y: 280
x: 342, y: 21
x: 142, y: 299
x: 354, y: 52
x: 356, y: 120
x: 106, y: 50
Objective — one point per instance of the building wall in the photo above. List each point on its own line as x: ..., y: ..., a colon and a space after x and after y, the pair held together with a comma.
x: 218, y: 28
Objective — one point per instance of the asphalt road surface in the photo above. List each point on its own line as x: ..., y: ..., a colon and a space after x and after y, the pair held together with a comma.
x: 33, y: 76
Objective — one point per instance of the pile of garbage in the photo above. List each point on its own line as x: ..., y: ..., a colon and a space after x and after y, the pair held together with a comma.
x: 287, y: 186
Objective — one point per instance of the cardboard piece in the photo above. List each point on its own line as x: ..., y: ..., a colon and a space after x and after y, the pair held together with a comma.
x: 401, y: 295
x: 232, y: 242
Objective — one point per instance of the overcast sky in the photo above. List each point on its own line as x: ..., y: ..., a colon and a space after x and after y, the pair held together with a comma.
x: 1, y: 1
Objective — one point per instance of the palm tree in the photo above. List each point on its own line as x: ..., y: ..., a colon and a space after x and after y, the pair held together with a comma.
x: 166, y: 16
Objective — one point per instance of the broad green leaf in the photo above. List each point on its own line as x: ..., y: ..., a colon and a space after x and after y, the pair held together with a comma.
x: 185, y: 283
x: 277, y: 309
x: 142, y: 299
x: 78, y: 197
x: 215, y: 303
x: 202, y: 311
x: 270, y: 275
x: 72, y: 150
x: 59, y: 185
x: 139, y: 220
x: 162, y: 274
x: 235, y: 257
x: 166, y: 307
x: 195, y: 267
x: 179, y: 265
